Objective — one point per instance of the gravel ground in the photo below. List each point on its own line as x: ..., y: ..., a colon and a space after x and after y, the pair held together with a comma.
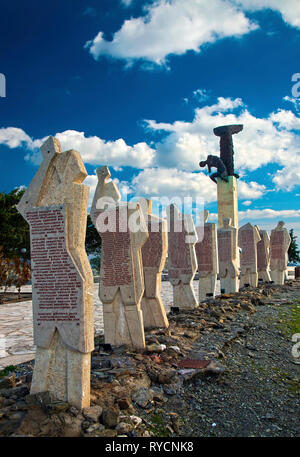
x: 249, y: 385
x: 259, y: 394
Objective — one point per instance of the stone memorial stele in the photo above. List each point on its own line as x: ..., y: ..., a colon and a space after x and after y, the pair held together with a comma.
x: 207, y: 258
x: 228, y: 263
x: 121, y: 286
x: 55, y: 206
x: 280, y: 241
x: 263, y: 257
x: 154, y: 254
x: 248, y: 238
x: 182, y: 260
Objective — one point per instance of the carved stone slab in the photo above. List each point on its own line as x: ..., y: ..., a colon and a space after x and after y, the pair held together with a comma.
x: 58, y: 285
x: 277, y: 250
x: 263, y: 259
x: 206, y: 251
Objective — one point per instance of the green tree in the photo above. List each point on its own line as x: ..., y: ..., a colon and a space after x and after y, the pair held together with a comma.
x: 293, y: 252
x: 14, y: 230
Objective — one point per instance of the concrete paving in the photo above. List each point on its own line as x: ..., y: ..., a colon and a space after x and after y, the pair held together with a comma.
x: 16, y: 331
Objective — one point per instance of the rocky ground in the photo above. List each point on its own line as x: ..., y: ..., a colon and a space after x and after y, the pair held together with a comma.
x: 224, y: 369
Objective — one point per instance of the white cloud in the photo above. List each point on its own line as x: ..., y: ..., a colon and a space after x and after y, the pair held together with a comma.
x: 294, y: 101
x: 201, y: 95
x: 96, y: 151
x: 176, y: 26
x: 289, y: 9
x: 127, y: 2
x: 263, y: 140
x: 14, y: 137
x: 172, y: 27
x: 247, y: 203
x: 269, y: 213
x: 171, y: 182
x: 250, y: 190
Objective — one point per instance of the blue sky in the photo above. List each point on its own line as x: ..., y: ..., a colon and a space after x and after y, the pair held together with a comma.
x: 139, y: 86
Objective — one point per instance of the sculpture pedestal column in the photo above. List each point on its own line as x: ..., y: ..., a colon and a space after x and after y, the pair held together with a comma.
x: 228, y: 201
x: 227, y: 193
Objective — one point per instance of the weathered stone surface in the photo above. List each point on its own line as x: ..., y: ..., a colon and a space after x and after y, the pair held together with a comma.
x: 92, y: 413
x: 228, y: 263
x: 55, y: 206
x: 228, y: 201
x: 121, y: 284
x: 279, y: 244
x: 8, y: 382
x: 248, y: 238
x: 207, y: 258
x: 110, y: 417
x: 142, y: 396
x: 154, y: 253
x: 182, y: 260
x: 263, y: 256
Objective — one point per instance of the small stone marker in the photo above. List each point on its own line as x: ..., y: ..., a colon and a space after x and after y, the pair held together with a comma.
x: 55, y: 206
x: 121, y: 284
x: 207, y: 258
x: 248, y: 238
x: 182, y: 261
x: 228, y: 263
x: 280, y: 241
x: 263, y: 257
x: 154, y: 253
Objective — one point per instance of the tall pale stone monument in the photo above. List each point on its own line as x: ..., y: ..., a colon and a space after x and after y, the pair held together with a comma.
x: 182, y: 260
x: 225, y: 177
x: 55, y: 206
x: 263, y: 257
x: 280, y: 241
x: 123, y: 232
x: 228, y: 261
x: 207, y: 258
x: 154, y: 254
x: 248, y: 238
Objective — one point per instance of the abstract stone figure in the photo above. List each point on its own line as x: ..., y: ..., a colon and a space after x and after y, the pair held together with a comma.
x: 121, y: 274
x: 280, y: 241
x: 207, y: 258
x: 154, y: 254
x: 225, y: 133
x: 248, y: 238
x: 228, y: 263
x: 55, y: 206
x: 263, y: 257
x: 182, y: 261
x: 215, y: 162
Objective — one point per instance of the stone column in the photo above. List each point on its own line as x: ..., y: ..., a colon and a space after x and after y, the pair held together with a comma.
x: 123, y: 232
x: 227, y: 193
x: 182, y: 260
x: 55, y: 206
x: 279, y: 244
x: 154, y: 254
x: 248, y: 238
x: 207, y: 258
x: 263, y: 257
x: 228, y: 265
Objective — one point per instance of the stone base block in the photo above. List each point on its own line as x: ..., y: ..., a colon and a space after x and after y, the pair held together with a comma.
x: 64, y: 372
x: 154, y: 314
x: 207, y: 286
